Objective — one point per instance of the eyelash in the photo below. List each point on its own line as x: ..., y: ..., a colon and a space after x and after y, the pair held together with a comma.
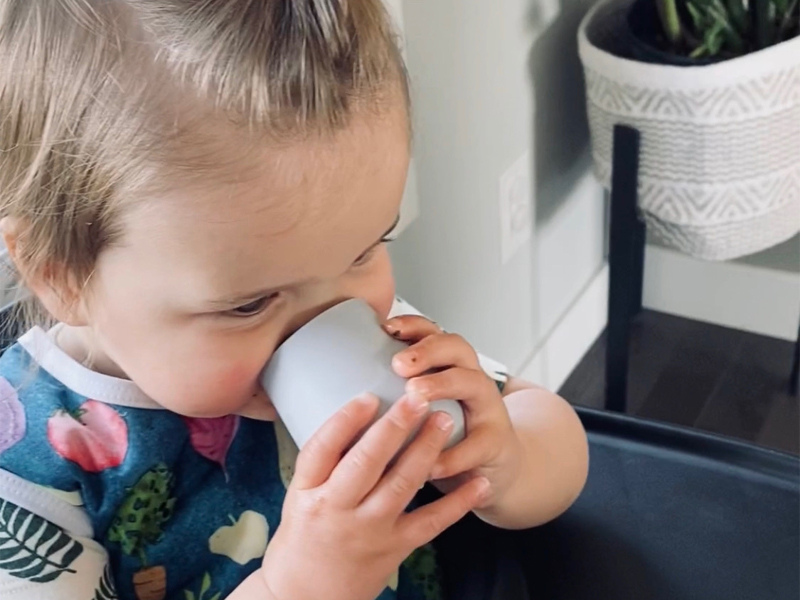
x: 258, y: 306
x: 254, y: 308
x: 367, y: 256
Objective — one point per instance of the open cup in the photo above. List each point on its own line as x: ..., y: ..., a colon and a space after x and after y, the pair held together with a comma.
x: 337, y: 356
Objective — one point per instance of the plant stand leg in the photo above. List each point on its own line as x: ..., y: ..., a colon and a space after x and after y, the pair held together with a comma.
x: 639, y: 240
x: 794, y: 382
x: 625, y: 263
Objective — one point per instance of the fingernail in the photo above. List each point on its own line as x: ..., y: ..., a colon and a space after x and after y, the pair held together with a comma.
x: 365, y: 399
x: 417, y: 404
x: 444, y: 421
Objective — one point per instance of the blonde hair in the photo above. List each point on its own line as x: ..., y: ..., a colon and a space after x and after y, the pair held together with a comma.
x: 100, y: 99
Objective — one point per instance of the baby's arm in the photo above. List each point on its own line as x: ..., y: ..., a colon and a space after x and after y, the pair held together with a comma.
x: 556, y: 457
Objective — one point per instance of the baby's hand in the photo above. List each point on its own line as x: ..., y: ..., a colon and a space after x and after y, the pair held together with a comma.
x: 443, y: 366
x: 344, y: 529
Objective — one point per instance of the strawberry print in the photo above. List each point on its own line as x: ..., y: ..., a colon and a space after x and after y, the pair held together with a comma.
x: 12, y: 416
x: 212, y: 438
x: 95, y: 436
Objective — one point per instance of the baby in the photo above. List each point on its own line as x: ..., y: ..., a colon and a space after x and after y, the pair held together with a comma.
x: 183, y: 184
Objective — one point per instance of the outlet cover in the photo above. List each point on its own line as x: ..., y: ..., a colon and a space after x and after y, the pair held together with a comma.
x: 516, y: 201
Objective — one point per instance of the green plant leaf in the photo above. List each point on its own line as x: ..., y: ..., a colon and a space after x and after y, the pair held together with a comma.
x: 714, y: 39
x: 206, y: 585
x: 670, y: 21
x: 32, y: 548
x: 738, y: 13
x: 189, y: 595
x: 105, y: 589
x: 216, y: 596
x: 694, y: 13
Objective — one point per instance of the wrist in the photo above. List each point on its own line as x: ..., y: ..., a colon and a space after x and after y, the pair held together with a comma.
x: 253, y: 588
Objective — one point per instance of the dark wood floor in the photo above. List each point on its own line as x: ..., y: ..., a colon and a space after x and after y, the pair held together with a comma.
x: 713, y: 378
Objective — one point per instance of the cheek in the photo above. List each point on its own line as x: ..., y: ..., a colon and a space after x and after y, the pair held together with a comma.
x: 213, y: 392
x: 186, y: 369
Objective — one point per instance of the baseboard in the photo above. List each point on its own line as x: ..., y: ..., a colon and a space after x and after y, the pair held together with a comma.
x: 759, y: 300
x: 572, y: 336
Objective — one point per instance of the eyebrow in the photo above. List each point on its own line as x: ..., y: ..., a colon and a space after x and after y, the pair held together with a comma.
x: 245, y: 298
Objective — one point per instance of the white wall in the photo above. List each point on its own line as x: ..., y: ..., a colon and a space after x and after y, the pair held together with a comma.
x: 492, y: 80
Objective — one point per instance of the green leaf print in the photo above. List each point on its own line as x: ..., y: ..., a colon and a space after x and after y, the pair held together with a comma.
x: 424, y: 572
x: 105, y: 589
x: 138, y: 524
x: 32, y: 548
x: 205, y: 586
x: 147, y: 506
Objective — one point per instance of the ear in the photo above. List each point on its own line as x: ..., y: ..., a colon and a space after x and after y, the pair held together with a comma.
x: 53, y: 287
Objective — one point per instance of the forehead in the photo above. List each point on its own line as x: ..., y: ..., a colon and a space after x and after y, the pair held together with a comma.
x: 300, y: 212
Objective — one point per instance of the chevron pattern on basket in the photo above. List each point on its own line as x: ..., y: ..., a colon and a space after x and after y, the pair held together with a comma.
x: 714, y: 204
x: 730, y: 240
x: 750, y: 98
x: 703, y: 152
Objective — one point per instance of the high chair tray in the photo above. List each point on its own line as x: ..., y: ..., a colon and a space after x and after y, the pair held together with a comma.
x: 667, y: 514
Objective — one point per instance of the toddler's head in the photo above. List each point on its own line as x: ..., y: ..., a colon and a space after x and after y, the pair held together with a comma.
x: 183, y: 183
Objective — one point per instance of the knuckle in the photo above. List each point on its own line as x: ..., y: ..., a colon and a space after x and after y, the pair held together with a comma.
x: 361, y: 457
x: 315, y: 505
x: 399, y: 420
x: 434, y: 525
x: 463, y: 344
x: 401, y: 485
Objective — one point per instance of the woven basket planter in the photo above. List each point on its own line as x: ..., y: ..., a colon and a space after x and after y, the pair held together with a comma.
x: 720, y: 149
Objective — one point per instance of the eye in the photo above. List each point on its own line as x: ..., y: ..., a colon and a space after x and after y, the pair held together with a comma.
x: 253, y: 308
x: 369, y: 254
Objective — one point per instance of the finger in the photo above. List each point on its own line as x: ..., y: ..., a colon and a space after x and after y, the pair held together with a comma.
x: 411, y: 328
x: 362, y: 467
x: 435, y: 352
x: 475, y: 451
x: 425, y: 524
x: 477, y: 393
x: 323, y: 451
x: 399, y: 486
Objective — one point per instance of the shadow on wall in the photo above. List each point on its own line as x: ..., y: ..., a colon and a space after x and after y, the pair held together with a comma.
x: 561, y: 130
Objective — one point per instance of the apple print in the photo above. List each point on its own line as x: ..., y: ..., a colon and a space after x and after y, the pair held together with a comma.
x: 242, y: 541
x: 212, y: 438
x: 394, y: 581
x: 12, y: 416
x: 95, y: 436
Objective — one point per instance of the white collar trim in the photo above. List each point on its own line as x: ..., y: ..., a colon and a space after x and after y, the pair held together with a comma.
x: 81, y: 380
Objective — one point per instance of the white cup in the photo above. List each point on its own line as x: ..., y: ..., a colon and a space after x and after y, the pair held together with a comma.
x: 339, y: 355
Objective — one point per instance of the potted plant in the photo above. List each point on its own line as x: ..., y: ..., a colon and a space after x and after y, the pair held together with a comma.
x: 714, y: 88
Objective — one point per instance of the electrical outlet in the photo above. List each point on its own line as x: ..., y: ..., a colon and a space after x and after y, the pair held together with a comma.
x: 516, y: 200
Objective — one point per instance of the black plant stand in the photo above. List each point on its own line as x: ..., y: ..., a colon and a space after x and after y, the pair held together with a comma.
x: 626, y: 269
x: 626, y: 263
